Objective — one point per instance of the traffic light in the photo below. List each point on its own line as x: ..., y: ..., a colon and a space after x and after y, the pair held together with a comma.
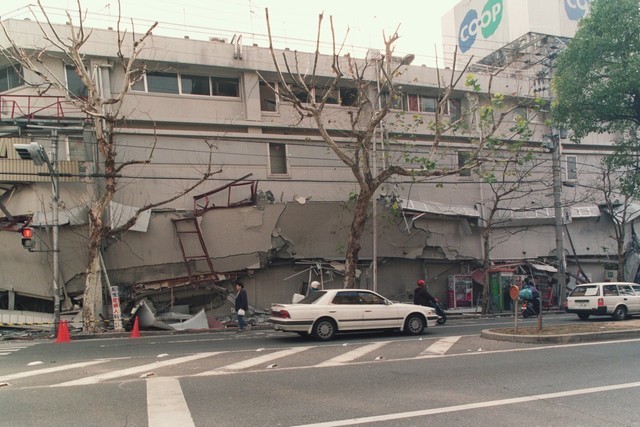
x: 27, y: 238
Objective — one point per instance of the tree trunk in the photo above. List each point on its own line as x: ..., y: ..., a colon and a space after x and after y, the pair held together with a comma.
x: 92, y: 303
x: 485, y: 272
x: 621, y: 257
x: 355, y: 233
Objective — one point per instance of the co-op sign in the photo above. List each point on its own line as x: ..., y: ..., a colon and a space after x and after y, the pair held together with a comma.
x: 484, y: 24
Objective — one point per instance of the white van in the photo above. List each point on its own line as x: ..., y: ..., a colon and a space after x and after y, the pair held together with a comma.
x: 616, y: 299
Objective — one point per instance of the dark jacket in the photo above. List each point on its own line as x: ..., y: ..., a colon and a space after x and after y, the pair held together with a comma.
x: 242, y: 302
x: 421, y: 296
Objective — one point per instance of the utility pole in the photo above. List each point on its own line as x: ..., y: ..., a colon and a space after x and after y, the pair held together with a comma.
x: 53, y: 165
x: 559, y: 218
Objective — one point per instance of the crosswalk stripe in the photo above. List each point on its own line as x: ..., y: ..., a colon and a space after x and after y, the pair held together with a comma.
x: 253, y: 362
x: 50, y: 370
x: 441, y: 346
x: 352, y: 355
x: 135, y: 370
x: 166, y: 405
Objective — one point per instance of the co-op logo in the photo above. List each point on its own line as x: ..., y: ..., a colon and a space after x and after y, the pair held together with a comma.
x: 487, y: 24
x: 576, y: 9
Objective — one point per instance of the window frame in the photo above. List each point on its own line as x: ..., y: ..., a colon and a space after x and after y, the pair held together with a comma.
x: 463, y: 156
x: 71, y: 77
x: 283, y: 160
x: 571, y: 174
x: 14, y: 76
x: 265, y: 99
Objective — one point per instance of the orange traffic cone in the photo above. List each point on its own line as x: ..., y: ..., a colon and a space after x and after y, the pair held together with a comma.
x: 135, y: 333
x: 63, y: 332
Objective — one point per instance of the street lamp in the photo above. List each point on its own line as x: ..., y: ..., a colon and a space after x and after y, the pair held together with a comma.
x: 35, y: 152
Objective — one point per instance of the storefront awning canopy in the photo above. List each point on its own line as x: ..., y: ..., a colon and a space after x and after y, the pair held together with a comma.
x: 438, y: 209
x: 543, y: 267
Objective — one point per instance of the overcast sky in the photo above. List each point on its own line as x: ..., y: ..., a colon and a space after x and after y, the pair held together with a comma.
x: 294, y: 22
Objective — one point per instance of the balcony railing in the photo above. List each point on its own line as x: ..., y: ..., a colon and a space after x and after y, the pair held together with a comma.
x: 31, y: 108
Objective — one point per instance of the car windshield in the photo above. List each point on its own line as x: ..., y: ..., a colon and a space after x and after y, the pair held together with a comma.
x: 312, y: 297
x: 585, y: 291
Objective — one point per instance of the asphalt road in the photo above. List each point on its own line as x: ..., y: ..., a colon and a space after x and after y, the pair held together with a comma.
x: 449, y: 376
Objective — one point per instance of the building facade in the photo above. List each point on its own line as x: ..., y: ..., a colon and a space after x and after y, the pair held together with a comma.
x: 277, y: 213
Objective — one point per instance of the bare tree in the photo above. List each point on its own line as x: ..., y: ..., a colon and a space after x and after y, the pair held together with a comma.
x: 620, y: 206
x: 106, y: 115
x: 510, y: 183
x: 368, y: 114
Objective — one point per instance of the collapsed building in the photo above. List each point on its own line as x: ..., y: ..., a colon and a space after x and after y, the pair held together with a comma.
x: 277, y: 214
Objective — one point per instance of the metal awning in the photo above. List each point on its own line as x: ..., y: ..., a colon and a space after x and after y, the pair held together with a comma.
x: 543, y: 267
x: 438, y: 208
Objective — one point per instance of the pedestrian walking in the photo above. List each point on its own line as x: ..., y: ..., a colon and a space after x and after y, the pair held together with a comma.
x: 242, y: 305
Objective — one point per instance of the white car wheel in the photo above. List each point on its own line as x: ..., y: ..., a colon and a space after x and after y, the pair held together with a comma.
x: 414, y: 324
x: 324, y: 329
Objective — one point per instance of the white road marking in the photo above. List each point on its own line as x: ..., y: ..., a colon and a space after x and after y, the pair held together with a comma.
x: 8, y: 349
x: 135, y: 370
x: 234, y: 367
x: 470, y: 406
x: 166, y: 406
x: 441, y: 346
x: 50, y: 370
x: 352, y: 355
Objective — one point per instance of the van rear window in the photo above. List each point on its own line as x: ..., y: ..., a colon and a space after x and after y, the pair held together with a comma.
x: 585, y: 291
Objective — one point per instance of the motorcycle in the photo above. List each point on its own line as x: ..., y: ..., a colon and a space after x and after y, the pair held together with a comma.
x: 440, y: 311
x: 529, y: 309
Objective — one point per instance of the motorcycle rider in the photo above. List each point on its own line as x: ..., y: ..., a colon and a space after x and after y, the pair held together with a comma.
x: 535, y: 294
x: 421, y: 295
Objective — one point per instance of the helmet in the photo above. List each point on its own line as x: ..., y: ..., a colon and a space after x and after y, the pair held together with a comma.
x: 315, y: 284
x: 420, y: 282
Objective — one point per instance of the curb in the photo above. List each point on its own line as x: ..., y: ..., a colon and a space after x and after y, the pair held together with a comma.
x: 563, y: 338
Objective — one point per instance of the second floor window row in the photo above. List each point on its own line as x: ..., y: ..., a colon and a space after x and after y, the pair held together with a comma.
x: 188, y: 84
x: 421, y: 104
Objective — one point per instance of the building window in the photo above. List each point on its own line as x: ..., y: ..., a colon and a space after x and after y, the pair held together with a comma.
x: 522, y: 112
x: 332, y: 98
x: 195, y: 85
x: 348, y: 96
x: 428, y: 104
x: 268, y: 96
x: 300, y: 93
x: 455, y: 109
x: 396, y: 102
x: 189, y: 84
x: 572, y: 168
x: 162, y: 82
x: 225, y: 86
x: 463, y: 158
x: 77, y: 149
x: 11, y: 77
x: 75, y: 86
x: 278, y: 159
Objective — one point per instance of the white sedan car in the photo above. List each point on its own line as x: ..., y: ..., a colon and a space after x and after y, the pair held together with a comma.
x: 324, y: 313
